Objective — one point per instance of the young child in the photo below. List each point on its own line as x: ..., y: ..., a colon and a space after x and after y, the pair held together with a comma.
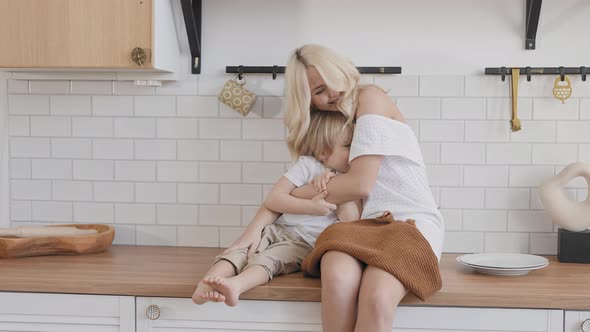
x: 291, y: 237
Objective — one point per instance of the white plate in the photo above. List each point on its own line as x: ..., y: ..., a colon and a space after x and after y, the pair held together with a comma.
x: 503, y: 261
x: 503, y: 272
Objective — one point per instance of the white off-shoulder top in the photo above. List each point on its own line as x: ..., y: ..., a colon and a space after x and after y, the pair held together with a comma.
x: 402, y: 185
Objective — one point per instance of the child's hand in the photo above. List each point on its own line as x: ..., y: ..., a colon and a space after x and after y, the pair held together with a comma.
x: 247, y: 240
x: 320, y: 182
x: 319, y: 206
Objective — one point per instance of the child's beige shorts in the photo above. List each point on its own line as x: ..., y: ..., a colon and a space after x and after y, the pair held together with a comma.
x: 279, y: 252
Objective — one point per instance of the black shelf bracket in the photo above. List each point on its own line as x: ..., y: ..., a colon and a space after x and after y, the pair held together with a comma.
x: 528, y: 71
x: 533, y: 11
x: 274, y: 70
x: 191, y: 10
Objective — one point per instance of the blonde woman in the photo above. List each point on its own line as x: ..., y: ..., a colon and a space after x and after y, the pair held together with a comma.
x: 367, y: 266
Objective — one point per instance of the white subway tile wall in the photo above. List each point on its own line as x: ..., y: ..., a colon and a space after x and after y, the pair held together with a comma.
x: 172, y: 166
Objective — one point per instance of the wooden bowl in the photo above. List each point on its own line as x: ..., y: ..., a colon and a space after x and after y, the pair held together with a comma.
x: 12, y: 247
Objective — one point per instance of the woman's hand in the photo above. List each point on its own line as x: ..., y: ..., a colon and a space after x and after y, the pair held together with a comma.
x: 319, y: 206
x: 320, y: 182
x: 249, y: 240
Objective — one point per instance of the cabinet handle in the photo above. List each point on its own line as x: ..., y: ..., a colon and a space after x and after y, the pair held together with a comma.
x: 153, y: 312
x: 139, y: 56
x: 586, y: 325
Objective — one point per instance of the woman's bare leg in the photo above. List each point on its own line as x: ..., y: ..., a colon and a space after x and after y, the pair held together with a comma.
x: 341, y: 277
x: 380, y: 294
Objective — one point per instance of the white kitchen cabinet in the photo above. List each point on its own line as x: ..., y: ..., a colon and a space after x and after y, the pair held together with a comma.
x: 181, y: 315
x: 42, y: 312
x: 423, y: 319
x: 577, y: 321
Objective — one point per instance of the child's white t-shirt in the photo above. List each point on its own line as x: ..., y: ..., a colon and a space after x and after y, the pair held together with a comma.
x: 307, y: 226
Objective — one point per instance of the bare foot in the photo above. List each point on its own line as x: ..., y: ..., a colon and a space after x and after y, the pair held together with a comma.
x: 227, y: 287
x: 205, y: 293
x: 214, y: 296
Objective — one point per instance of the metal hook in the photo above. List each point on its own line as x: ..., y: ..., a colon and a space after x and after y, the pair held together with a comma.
x: 562, y: 73
x: 274, y: 72
x: 503, y: 73
x: 240, y: 72
x: 528, y: 74
x: 583, y: 72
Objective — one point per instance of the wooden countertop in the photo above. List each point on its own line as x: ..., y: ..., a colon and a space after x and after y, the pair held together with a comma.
x: 174, y: 272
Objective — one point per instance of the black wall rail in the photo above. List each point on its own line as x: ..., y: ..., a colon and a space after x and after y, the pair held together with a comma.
x: 528, y: 71
x: 274, y: 70
x: 192, y: 10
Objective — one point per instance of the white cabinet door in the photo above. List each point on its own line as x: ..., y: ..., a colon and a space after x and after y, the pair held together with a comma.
x: 577, y: 321
x: 40, y: 312
x: 181, y: 315
x: 423, y: 319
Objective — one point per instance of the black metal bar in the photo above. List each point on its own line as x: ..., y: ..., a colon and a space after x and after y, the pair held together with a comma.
x: 254, y: 70
x: 281, y: 70
x: 379, y: 70
x: 536, y: 70
x: 533, y: 11
x: 191, y: 10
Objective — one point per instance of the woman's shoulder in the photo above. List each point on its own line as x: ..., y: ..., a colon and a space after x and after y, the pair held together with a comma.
x: 373, y: 100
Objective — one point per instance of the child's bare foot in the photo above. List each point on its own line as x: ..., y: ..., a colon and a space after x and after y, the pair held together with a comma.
x: 214, y: 296
x: 205, y: 293
x: 227, y: 287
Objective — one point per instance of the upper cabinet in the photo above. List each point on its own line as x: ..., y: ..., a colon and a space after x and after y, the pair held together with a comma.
x: 88, y: 34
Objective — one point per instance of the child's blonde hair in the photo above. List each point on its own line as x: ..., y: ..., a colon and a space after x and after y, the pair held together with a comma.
x: 326, y: 130
x: 338, y: 73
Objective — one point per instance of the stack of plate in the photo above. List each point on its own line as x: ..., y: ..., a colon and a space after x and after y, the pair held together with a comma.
x: 503, y: 264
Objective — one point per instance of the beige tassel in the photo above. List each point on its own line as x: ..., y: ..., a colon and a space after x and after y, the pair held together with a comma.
x: 515, y: 120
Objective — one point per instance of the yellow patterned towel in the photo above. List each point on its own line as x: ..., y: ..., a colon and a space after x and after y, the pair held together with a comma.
x: 394, y: 246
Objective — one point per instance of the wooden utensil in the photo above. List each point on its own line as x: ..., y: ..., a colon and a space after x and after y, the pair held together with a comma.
x: 515, y: 120
x: 45, y: 231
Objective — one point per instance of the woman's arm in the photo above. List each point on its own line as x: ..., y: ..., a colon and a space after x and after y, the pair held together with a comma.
x: 351, y: 186
x: 349, y: 211
x: 280, y: 200
x: 359, y: 181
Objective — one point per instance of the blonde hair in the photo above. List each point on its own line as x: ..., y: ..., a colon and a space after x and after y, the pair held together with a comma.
x: 326, y: 130
x: 338, y: 73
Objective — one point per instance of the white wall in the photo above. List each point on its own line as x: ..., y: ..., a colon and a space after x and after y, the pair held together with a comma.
x: 4, y: 197
x: 423, y: 36
x: 171, y: 166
